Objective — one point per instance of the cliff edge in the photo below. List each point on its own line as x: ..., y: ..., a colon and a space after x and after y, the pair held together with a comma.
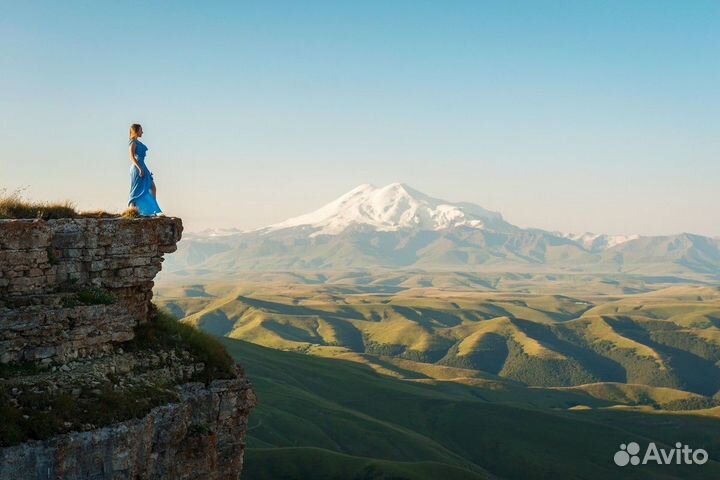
x: 94, y: 382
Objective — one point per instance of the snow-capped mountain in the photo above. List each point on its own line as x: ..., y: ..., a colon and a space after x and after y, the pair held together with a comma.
x: 392, y: 208
x: 217, y: 232
x: 396, y: 226
x: 599, y: 241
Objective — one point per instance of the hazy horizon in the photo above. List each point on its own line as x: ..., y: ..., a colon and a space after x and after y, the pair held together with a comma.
x: 600, y: 116
x: 316, y: 207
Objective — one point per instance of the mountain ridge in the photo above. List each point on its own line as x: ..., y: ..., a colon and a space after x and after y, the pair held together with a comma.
x: 396, y: 226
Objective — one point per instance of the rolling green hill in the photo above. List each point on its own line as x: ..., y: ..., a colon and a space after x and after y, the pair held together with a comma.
x: 664, y: 336
x: 457, y: 375
x: 328, y: 418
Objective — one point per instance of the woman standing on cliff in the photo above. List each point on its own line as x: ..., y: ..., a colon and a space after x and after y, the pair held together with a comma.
x: 143, y: 192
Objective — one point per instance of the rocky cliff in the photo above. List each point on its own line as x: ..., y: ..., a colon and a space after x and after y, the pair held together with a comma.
x: 57, y: 278
x: 93, y: 382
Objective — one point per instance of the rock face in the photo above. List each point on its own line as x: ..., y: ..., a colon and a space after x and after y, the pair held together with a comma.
x: 201, y: 437
x: 72, y: 295
x: 46, y: 265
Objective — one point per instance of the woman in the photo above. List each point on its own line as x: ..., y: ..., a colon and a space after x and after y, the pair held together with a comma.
x: 142, y: 186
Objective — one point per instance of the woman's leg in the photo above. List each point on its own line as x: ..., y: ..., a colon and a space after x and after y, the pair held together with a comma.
x: 154, y: 189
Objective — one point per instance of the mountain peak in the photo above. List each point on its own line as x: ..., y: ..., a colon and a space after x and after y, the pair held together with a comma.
x: 398, y: 186
x: 599, y: 241
x: 393, y: 207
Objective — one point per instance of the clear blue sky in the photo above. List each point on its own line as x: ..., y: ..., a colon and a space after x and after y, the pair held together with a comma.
x: 568, y: 115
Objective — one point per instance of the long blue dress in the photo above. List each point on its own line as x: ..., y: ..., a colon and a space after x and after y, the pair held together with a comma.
x: 141, y: 187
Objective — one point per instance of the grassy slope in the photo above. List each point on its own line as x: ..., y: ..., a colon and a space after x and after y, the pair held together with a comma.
x: 330, y: 418
x: 665, y: 338
x: 318, y: 464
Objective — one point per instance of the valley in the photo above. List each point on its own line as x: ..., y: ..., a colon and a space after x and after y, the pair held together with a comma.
x: 661, y: 335
x: 328, y: 418
x: 394, y: 335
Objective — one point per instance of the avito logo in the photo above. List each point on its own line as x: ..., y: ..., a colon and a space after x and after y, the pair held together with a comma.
x: 680, y: 455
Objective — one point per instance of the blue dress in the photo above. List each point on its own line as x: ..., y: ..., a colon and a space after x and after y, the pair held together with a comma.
x: 141, y: 187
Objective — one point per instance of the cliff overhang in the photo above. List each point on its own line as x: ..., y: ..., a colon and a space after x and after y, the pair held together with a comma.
x: 71, y: 287
x: 94, y: 382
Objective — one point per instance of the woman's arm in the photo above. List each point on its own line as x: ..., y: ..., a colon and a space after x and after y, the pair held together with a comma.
x: 134, y: 160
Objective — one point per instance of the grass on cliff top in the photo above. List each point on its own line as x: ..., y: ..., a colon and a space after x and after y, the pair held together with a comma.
x: 165, y: 331
x: 13, y: 205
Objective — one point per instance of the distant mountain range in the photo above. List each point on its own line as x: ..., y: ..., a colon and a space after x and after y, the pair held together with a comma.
x: 397, y: 226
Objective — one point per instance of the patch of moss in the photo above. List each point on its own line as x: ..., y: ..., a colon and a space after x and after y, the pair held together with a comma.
x: 95, y: 296
x: 89, y: 296
x: 52, y: 258
x: 200, y: 429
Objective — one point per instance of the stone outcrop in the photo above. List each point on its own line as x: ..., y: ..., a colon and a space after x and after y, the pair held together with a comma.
x: 45, y: 265
x: 74, y: 293
x: 200, y: 437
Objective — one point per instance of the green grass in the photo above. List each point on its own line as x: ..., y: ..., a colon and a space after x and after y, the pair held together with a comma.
x: 633, y: 395
x: 95, y: 296
x: 42, y: 416
x: 8, y: 370
x: 48, y: 415
x: 355, y: 416
x: 164, y: 331
x: 538, y: 339
x: 88, y: 296
x: 321, y: 464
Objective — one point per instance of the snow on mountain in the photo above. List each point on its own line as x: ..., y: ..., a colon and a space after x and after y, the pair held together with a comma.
x: 217, y: 232
x: 399, y: 227
x: 599, y: 241
x: 398, y: 207
x: 392, y: 208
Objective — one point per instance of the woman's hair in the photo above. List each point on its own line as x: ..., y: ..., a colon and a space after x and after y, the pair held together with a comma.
x: 134, y: 130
